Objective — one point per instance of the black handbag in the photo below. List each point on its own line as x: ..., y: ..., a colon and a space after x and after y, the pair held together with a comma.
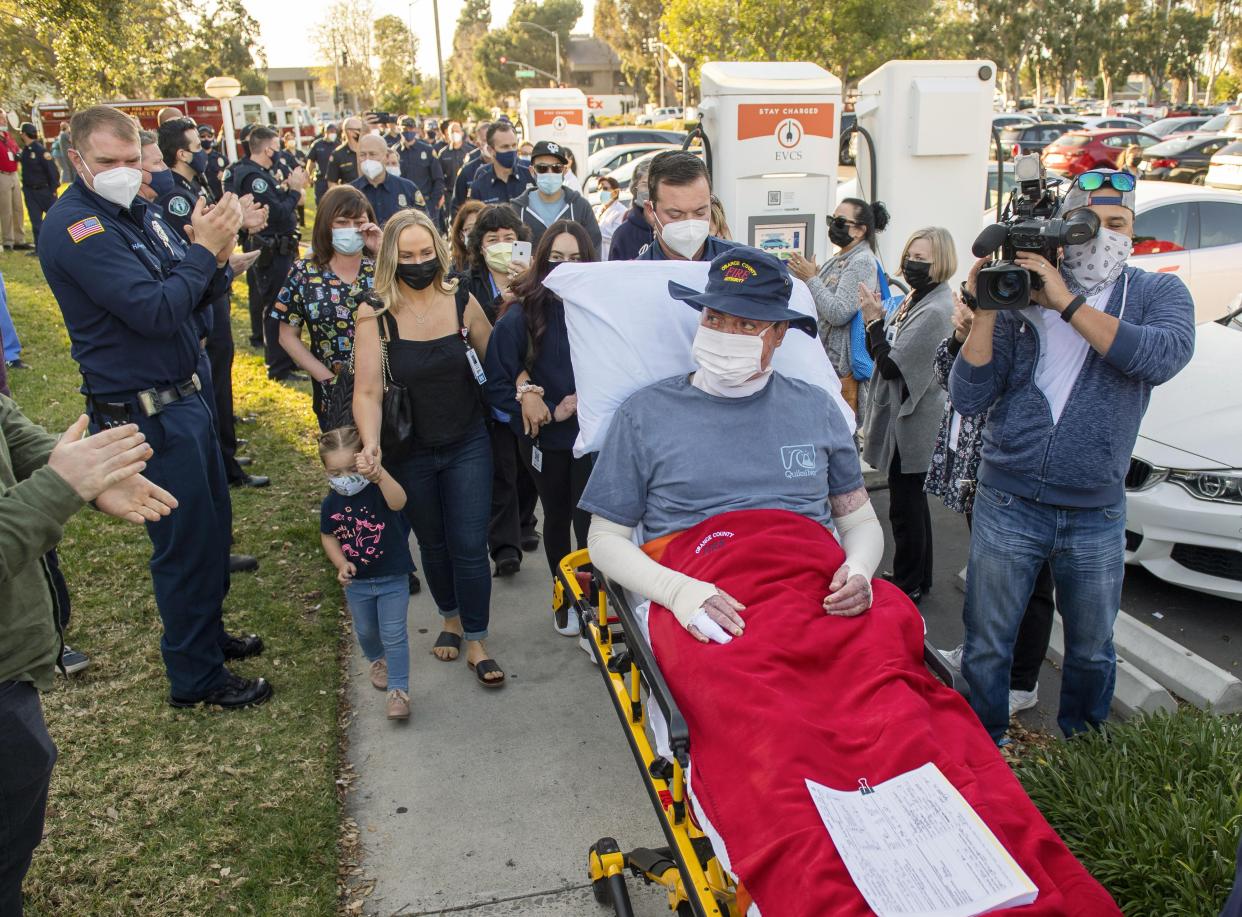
x: 396, y: 409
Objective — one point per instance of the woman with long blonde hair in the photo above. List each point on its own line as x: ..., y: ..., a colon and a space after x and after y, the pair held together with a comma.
x: 437, y: 335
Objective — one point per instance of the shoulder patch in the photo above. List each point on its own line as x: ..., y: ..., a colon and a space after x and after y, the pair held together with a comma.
x: 179, y: 206
x: 83, y: 229
x: 47, y: 155
x: 259, y: 186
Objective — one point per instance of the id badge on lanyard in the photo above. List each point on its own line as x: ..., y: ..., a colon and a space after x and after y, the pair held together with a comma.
x: 536, y: 457
x: 476, y: 365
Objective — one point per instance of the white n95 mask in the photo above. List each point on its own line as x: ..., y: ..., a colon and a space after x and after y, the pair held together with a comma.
x: 372, y: 168
x: 119, y: 185
x: 685, y: 237
x: 730, y: 365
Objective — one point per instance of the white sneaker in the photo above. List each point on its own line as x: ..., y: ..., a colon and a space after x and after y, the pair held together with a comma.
x: 571, y: 628
x: 954, y: 658
x: 1023, y: 700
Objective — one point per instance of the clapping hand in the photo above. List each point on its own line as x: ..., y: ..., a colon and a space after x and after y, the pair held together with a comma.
x: 870, y: 304
x: 254, y: 214
x: 849, y: 594
x: 136, y: 500
x: 963, y: 318
x: 801, y: 267
x: 240, y: 262
x: 93, y: 464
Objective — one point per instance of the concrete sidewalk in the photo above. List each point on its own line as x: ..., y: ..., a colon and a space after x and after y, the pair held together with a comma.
x: 486, y: 801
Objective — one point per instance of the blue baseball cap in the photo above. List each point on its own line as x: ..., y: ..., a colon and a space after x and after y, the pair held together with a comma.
x: 747, y: 283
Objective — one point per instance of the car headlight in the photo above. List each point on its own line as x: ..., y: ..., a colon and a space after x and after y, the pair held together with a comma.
x: 1215, y: 486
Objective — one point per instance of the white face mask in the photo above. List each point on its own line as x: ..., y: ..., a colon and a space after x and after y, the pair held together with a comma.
x: 393, y: 170
x: 372, y: 168
x: 730, y: 365
x: 1091, y: 266
x: 348, y: 484
x: 119, y: 185
x: 685, y: 237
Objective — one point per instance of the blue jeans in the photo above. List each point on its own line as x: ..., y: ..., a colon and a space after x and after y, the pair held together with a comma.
x: 379, y: 605
x: 1011, y: 539
x: 449, y: 500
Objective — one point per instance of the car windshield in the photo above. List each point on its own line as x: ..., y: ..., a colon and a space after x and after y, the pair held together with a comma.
x: 1233, y: 149
x: 1174, y: 146
x: 1215, y: 124
x: 1172, y: 126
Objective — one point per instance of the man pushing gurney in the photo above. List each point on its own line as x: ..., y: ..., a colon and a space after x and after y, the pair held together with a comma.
x: 785, y: 665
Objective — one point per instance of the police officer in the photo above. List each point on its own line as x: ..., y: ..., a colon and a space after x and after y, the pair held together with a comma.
x: 471, y: 164
x: 386, y: 193
x: 317, y: 160
x: 420, y: 165
x: 504, y: 179
x: 228, y: 181
x: 217, y: 162
x: 278, y: 241
x: 343, y: 163
x: 433, y: 136
x: 40, y: 179
x: 453, y: 157
x: 182, y: 152
x: 128, y: 290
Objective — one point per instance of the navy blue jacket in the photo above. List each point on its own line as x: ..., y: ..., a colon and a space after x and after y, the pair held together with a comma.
x: 392, y: 194
x: 217, y: 163
x: 128, y: 289
x: 1082, y: 459
x: 629, y: 238
x: 420, y: 165
x: 465, y: 175
x: 551, y: 369
x: 488, y: 188
x: 38, y: 169
x: 711, y: 248
x: 178, y: 204
x: 249, y: 177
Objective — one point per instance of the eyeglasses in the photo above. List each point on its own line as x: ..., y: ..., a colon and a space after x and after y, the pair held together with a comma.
x: 842, y: 222
x: 1094, y: 181
x: 543, y: 168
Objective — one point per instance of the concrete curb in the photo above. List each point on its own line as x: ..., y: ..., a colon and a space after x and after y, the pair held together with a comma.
x: 1181, y: 671
x: 1136, y: 692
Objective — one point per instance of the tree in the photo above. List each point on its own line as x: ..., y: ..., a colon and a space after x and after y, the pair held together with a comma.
x: 624, y: 25
x: 224, y: 42
x: 1001, y: 31
x: 1165, y: 41
x: 1066, y: 42
x: 529, y: 46
x: 397, y: 78
x: 344, y: 38
x: 462, y: 71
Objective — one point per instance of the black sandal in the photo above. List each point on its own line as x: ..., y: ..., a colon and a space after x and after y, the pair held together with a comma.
x: 447, y: 640
x: 488, y: 667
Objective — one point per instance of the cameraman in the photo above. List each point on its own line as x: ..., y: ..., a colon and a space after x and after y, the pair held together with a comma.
x: 1067, y: 380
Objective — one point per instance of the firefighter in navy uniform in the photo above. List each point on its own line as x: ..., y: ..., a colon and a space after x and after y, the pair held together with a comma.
x: 278, y: 242
x: 40, y: 179
x: 186, y: 161
x: 217, y: 162
x: 254, y: 299
x: 343, y: 163
x: 129, y: 291
x: 317, y: 160
x: 420, y: 165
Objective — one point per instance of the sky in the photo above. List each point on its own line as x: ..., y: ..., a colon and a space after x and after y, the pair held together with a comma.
x: 287, y: 38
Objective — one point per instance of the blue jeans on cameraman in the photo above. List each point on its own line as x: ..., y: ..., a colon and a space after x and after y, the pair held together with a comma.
x: 1011, y: 539
x: 379, y: 605
x: 448, y: 502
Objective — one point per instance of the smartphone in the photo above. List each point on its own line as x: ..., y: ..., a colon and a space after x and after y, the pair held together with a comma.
x: 521, y: 252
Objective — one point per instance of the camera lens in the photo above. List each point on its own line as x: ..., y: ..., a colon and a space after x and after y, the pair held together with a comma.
x: 1006, y: 288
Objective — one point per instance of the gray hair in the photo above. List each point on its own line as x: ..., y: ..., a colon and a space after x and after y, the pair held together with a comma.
x: 146, y: 137
x: 640, y: 172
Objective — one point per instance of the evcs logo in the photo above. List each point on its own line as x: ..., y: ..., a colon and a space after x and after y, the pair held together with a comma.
x: 799, y: 461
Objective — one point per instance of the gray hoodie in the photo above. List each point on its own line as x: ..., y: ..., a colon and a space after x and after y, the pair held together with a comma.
x: 574, y: 207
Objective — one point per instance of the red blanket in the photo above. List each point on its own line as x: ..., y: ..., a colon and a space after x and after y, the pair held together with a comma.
x: 806, y: 695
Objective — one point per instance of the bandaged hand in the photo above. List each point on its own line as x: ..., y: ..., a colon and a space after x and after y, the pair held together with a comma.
x: 849, y: 594
x: 717, y: 620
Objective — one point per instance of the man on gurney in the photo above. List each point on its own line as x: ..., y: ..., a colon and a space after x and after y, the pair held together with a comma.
x: 733, y: 435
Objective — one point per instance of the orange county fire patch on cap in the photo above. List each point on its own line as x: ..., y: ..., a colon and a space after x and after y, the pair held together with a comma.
x: 737, y: 272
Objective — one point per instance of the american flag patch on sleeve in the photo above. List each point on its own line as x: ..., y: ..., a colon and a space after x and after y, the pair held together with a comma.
x: 85, y: 228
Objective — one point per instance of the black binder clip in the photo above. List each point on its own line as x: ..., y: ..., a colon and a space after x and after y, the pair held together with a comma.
x: 863, y: 787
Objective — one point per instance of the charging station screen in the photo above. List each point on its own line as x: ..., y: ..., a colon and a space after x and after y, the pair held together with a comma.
x: 779, y: 239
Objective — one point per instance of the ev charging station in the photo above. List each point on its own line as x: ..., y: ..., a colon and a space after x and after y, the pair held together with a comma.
x: 770, y: 132
x: 930, y: 122
x: 558, y: 115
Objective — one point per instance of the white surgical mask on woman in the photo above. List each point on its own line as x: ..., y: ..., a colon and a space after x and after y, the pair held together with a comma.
x: 346, y: 240
x: 730, y: 365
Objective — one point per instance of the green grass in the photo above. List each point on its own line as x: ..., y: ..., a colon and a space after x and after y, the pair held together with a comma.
x: 159, y: 811
x: 1152, y: 809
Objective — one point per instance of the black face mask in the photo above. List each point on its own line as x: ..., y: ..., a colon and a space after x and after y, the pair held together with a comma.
x: 418, y: 276
x: 839, y: 234
x: 917, y: 274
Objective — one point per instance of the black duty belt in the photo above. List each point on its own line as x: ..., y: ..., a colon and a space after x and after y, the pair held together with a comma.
x: 150, y: 401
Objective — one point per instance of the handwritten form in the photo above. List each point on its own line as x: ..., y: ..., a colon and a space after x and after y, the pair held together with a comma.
x: 915, y: 848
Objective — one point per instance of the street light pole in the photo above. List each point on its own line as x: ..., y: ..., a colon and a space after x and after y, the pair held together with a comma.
x: 435, y: 11
x: 556, y: 37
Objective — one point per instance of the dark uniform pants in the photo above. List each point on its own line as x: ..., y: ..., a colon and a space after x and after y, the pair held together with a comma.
x: 514, y: 495
x: 38, y: 202
x: 269, y: 277
x: 190, y: 548
x: 220, y: 358
x: 25, y: 773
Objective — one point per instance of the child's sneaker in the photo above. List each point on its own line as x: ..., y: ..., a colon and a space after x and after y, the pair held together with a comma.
x: 398, y: 705
x: 379, y: 674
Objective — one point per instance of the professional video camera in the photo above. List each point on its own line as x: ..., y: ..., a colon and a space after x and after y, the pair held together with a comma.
x: 1029, y: 224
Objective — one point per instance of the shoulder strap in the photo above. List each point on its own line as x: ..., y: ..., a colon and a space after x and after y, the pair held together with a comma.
x: 462, y: 300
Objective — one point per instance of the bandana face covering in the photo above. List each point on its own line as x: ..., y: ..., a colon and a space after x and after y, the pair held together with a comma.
x: 1091, y: 266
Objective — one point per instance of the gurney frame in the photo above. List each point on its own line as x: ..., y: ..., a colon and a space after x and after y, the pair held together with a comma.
x: 696, y: 883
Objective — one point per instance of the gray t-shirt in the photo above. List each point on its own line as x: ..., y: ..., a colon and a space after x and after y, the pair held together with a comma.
x: 675, y: 455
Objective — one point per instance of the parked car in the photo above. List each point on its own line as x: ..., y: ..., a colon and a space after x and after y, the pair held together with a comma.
x: 616, y: 136
x: 1225, y: 169
x: 1183, y: 159
x: 1031, y: 138
x: 1184, y: 486
x: 1081, y: 150
x: 625, y: 174
x: 1009, y: 119
x: 1227, y: 122
x: 1166, y: 127
x: 660, y: 114
x: 1107, y: 122
x: 613, y: 157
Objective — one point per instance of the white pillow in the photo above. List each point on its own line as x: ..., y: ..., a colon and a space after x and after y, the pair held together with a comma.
x: 626, y: 332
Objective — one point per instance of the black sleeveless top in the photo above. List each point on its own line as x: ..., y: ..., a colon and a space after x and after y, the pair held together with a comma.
x: 443, y: 391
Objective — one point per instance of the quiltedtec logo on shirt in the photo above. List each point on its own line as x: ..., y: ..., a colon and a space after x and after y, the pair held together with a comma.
x: 799, y: 461
x: 737, y: 272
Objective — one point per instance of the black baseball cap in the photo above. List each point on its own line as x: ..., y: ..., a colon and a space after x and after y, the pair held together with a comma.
x: 407, y: 121
x: 29, y: 129
x: 205, y: 130
x: 747, y: 283
x: 549, y: 148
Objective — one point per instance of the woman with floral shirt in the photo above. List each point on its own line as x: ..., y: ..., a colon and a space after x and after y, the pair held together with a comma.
x: 322, y: 291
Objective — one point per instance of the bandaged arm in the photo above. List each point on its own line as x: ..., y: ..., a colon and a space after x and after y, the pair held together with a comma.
x: 614, y: 554
x: 862, y: 539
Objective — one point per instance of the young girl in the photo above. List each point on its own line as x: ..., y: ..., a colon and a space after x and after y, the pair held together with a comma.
x: 363, y: 535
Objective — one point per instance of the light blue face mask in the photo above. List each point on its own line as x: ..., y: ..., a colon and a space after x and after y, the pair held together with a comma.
x: 605, y: 195
x: 347, y: 240
x: 549, y: 182
x: 347, y: 485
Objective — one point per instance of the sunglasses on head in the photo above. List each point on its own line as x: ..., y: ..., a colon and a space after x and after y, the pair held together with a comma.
x: 545, y: 167
x: 1094, y: 181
